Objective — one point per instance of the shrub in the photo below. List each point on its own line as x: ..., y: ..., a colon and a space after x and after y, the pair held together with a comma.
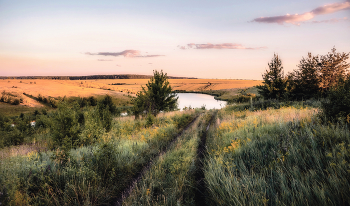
x: 15, y: 102
x: 150, y: 120
x: 93, y: 128
x: 336, y: 106
x: 66, y: 127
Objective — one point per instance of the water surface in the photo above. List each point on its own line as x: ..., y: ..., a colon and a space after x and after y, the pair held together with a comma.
x: 198, y: 100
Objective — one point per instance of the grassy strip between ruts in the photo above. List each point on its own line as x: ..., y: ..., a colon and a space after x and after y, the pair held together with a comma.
x: 90, y: 175
x: 170, y: 181
x: 277, y: 157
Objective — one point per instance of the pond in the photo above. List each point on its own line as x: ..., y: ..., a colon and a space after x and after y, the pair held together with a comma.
x: 198, y: 100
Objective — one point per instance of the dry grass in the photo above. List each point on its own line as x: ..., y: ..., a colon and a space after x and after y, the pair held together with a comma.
x: 85, y: 88
x: 22, y: 150
x: 54, y: 88
x: 132, y: 86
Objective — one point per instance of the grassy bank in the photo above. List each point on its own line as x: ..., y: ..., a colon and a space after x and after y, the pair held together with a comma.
x: 277, y: 157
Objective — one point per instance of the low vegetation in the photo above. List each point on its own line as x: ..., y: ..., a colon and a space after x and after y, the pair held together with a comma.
x: 94, y: 173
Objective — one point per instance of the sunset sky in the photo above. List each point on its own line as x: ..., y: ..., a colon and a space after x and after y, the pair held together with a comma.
x: 224, y: 39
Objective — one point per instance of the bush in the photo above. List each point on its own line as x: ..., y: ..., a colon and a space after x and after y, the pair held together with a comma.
x: 93, y: 129
x: 66, y: 127
x: 150, y: 120
x: 16, y: 102
x: 336, y: 106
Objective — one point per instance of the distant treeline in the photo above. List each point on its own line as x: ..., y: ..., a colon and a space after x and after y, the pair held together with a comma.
x: 124, y: 76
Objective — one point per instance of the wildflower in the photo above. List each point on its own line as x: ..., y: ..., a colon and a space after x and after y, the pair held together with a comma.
x: 148, y: 191
x: 225, y: 149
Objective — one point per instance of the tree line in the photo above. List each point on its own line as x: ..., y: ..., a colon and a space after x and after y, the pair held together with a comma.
x: 316, y: 77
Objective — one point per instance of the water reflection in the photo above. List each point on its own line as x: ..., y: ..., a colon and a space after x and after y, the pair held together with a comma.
x: 198, y: 100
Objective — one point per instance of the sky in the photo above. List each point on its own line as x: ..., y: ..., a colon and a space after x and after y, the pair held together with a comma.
x: 223, y: 39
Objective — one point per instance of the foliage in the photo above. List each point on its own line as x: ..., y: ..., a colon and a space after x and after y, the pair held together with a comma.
x: 303, y: 83
x: 10, y: 98
x: 66, y: 125
x: 157, y: 97
x: 336, y: 106
x: 93, y: 127
x: 333, y: 66
x: 150, y: 120
x: 88, y: 175
x: 14, y: 131
x: 274, y: 84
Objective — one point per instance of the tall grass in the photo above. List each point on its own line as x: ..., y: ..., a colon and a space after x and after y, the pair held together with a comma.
x: 171, y: 181
x: 278, y: 157
x: 89, y: 175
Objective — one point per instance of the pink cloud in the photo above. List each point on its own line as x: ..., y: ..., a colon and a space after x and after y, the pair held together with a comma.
x: 217, y: 46
x: 154, y: 55
x: 125, y: 53
x: 334, y: 20
x: 331, y: 8
x: 104, y: 60
x: 297, y: 18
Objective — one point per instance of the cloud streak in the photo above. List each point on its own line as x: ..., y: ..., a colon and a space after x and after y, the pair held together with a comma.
x: 297, y: 18
x: 217, y: 46
x: 104, y: 60
x: 334, y: 20
x: 125, y: 53
x: 150, y: 56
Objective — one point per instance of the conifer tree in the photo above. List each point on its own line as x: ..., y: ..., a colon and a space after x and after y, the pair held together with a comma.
x: 274, y: 84
x: 307, y: 78
x: 333, y: 66
x: 157, y: 96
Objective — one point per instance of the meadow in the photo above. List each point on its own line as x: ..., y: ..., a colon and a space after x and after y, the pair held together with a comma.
x: 93, y: 174
x: 280, y: 156
x: 264, y: 152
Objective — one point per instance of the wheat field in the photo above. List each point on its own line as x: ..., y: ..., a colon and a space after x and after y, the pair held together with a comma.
x: 117, y: 88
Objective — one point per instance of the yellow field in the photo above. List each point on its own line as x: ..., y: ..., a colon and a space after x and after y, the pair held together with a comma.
x: 134, y: 85
x: 84, y: 88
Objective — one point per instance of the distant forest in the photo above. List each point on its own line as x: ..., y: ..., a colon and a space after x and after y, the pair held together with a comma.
x: 123, y: 76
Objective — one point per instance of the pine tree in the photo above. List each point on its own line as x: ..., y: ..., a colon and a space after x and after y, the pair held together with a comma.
x: 274, y: 84
x: 307, y: 78
x: 333, y: 66
x: 156, y: 97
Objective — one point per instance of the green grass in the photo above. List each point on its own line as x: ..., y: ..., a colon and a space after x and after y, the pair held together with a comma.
x: 91, y: 175
x: 286, y: 160
x: 15, y: 110
x: 171, y: 180
x: 283, y: 155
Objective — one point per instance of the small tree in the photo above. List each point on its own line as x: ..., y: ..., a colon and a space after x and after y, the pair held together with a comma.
x: 305, y: 80
x: 336, y: 106
x: 274, y: 83
x: 157, y: 96
x: 66, y: 127
x: 333, y: 66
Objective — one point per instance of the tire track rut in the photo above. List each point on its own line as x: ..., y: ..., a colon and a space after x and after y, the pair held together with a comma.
x: 127, y: 191
x: 200, y: 192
